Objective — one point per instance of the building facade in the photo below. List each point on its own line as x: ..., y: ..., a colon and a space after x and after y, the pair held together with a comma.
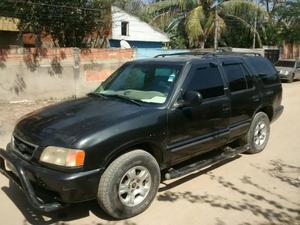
x: 137, y: 33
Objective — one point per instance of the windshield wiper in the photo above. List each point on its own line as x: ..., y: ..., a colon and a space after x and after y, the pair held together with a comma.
x: 97, y: 94
x: 124, y: 98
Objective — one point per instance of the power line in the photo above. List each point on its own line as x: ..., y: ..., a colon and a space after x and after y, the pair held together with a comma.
x: 60, y: 6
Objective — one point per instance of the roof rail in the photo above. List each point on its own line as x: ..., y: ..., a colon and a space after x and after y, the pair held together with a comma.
x: 181, y: 53
x: 207, y: 53
x: 247, y: 53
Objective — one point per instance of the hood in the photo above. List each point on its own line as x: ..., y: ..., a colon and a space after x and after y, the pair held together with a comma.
x: 64, y: 123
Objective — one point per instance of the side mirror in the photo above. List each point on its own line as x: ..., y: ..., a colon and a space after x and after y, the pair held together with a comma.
x: 190, y: 98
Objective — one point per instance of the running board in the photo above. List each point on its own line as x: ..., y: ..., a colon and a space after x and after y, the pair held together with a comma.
x: 225, y: 154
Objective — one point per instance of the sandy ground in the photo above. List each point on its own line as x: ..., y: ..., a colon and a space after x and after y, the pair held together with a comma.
x: 253, y: 189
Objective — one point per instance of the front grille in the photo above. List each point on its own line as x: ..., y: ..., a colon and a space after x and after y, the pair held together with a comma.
x: 24, y: 148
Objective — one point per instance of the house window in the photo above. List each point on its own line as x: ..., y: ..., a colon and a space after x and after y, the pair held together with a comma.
x: 125, y: 28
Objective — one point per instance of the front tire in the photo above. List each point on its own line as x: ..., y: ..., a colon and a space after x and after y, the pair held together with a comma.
x: 258, y: 134
x: 129, y: 184
x: 291, y: 78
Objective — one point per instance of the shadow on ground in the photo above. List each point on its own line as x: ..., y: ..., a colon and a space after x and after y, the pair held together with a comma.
x: 259, y: 205
x: 61, y: 217
x: 271, y: 210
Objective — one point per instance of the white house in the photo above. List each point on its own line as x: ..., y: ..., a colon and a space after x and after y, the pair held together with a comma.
x: 134, y: 31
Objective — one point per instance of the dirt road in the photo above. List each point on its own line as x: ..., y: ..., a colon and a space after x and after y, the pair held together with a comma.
x: 253, y: 189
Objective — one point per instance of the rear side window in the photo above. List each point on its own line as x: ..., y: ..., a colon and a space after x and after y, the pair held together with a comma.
x: 236, y: 77
x: 207, y: 81
x: 264, y: 70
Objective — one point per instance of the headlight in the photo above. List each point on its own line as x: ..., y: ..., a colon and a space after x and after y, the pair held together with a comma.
x: 286, y: 72
x: 12, y: 142
x: 63, y: 156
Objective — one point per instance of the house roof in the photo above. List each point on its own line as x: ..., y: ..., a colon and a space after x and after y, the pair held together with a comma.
x: 138, y: 29
x: 8, y: 24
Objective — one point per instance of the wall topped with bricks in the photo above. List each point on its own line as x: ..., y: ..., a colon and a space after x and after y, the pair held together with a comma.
x: 39, y: 74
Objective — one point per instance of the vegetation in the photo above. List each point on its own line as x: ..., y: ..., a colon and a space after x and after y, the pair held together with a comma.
x: 71, y: 23
x: 191, y: 23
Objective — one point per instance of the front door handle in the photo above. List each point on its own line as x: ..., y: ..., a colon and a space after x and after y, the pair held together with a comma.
x: 255, y: 98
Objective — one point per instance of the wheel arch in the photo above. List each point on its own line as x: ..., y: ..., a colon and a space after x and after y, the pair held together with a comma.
x: 154, y: 149
x: 267, y: 110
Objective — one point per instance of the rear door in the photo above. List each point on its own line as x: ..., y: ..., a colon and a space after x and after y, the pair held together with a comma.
x: 244, y: 95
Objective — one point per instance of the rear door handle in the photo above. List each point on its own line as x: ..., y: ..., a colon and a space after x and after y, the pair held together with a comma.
x: 225, y: 107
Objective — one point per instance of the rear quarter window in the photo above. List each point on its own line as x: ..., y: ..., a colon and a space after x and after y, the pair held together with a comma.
x: 264, y: 69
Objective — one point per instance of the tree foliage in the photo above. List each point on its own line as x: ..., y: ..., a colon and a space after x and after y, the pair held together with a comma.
x: 198, y: 17
x: 71, y: 23
x: 194, y: 20
x: 287, y: 15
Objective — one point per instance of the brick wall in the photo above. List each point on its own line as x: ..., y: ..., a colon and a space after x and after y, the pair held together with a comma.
x: 37, y: 74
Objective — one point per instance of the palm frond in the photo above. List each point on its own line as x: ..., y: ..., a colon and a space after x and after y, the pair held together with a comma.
x: 162, y: 6
x: 162, y: 19
x: 246, y: 25
x: 174, y: 23
x: 245, y: 9
x: 193, y: 25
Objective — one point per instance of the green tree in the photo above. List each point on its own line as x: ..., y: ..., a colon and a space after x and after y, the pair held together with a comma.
x: 198, y: 18
x: 288, y: 20
x: 69, y: 22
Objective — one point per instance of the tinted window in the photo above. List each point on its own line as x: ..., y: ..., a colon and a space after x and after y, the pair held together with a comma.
x: 285, y: 63
x: 207, y: 81
x: 236, y: 77
x: 264, y: 69
x: 248, y: 76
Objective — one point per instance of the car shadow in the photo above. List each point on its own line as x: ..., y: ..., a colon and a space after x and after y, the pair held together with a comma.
x: 69, y: 213
x: 80, y: 210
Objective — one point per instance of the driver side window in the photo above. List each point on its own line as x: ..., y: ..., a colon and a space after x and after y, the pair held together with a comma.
x: 207, y: 81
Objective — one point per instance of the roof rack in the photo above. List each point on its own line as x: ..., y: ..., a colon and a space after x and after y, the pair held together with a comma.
x: 207, y: 53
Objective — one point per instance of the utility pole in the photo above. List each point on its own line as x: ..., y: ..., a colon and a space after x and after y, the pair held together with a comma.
x: 255, y: 26
x: 216, y: 28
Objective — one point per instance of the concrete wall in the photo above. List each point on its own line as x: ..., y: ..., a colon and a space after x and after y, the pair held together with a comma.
x: 28, y: 74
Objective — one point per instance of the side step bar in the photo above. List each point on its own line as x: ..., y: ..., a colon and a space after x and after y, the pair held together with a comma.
x: 226, y: 154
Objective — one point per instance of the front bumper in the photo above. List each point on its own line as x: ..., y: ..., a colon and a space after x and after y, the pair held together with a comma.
x: 284, y: 76
x: 42, y: 185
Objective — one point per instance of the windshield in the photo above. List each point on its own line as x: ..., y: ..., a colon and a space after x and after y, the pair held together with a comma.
x: 282, y: 63
x: 151, y: 83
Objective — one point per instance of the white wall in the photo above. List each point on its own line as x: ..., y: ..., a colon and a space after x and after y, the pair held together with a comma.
x: 138, y: 30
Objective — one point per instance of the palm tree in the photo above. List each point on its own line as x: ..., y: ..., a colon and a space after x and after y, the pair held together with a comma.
x: 197, y: 18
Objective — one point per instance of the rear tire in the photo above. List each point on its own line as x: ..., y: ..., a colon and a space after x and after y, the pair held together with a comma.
x: 258, y: 134
x: 129, y: 184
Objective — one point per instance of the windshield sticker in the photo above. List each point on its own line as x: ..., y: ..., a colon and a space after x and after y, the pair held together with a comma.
x: 171, y: 78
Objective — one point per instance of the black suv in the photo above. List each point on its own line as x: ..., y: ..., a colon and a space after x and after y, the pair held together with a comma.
x: 149, y: 121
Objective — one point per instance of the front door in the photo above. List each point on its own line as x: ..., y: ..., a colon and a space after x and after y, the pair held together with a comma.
x: 195, y: 130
